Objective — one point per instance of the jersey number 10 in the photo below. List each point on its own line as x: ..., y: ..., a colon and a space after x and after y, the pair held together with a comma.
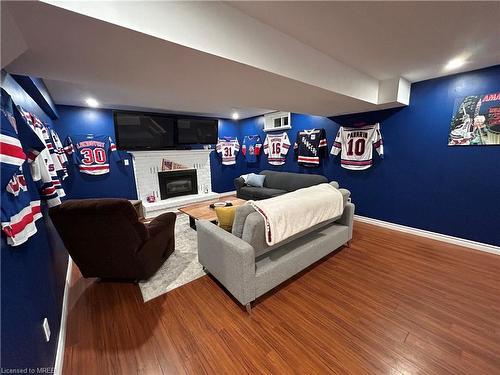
x: 358, y: 146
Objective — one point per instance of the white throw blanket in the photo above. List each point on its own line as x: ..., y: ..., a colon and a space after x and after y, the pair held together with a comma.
x: 291, y: 213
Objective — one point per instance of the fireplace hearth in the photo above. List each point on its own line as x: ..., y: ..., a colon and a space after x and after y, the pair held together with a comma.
x: 177, y: 183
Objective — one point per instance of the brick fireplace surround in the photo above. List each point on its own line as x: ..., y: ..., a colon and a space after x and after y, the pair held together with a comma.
x: 147, y: 164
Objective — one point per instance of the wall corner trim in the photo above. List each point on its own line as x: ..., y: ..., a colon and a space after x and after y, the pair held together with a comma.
x: 61, y: 342
x: 492, y: 249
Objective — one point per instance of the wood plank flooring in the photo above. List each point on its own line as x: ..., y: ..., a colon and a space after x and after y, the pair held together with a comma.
x: 392, y: 303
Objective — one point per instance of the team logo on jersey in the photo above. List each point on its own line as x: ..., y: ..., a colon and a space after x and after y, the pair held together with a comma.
x: 17, y: 184
x: 313, y: 150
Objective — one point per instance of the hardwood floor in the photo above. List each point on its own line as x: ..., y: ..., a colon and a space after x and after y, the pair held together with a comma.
x: 392, y: 303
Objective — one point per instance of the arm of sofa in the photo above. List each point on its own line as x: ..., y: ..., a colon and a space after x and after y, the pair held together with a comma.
x: 348, y: 217
x: 228, y: 258
x: 239, y: 183
x: 159, y: 245
x: 335, y: 184
x: 160, y: 223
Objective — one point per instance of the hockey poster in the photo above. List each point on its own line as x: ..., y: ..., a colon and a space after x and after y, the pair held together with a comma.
x: 476, y: 121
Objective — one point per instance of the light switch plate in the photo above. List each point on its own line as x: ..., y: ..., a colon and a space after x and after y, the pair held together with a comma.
x: 46, y: 329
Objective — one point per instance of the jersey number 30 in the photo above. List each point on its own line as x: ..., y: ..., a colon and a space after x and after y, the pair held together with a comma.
x: 358, y: 146
x: 91, y: 156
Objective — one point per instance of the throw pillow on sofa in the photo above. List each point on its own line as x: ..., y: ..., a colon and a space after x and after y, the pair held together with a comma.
x: 255, y: 180
x: 225, y: 217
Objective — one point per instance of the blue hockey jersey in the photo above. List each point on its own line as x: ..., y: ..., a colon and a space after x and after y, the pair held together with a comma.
x: 251, y: 148
x: 91, y: 153
x: 20, y: 201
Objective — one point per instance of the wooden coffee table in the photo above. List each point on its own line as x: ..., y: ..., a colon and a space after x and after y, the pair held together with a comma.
x: 202, y: 210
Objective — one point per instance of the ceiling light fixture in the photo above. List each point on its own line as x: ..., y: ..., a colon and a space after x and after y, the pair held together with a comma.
x: 455, y: 63
x: 91, y: 102
x: 235, y: 115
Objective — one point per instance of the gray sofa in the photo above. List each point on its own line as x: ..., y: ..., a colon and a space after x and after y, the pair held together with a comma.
x: 247, y: 267
x: 276, y: 183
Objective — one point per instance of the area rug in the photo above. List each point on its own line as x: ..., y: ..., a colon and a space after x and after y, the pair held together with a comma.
x: 180, y: 268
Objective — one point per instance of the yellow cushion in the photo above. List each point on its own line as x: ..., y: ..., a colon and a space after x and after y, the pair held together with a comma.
x: 225, y: 217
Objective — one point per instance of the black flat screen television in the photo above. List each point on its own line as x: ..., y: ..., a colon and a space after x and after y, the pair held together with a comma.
x: 193, y: 131
x: 142, y: 131
x: 150, y: 131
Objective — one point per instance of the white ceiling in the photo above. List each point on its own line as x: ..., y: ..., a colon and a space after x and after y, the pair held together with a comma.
x: 214, y: 58
x: 410, y: 39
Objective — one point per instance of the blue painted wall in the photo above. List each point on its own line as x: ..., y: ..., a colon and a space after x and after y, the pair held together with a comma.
x: 36, y: 89
x: 421, y: 182
x: 32, y: 281
x: 120, y: 181
x: 223, y: 175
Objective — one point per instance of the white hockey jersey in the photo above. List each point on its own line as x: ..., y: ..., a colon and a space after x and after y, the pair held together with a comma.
x: 228, y: 147
x: 276, y: 147
x: 57, y: 160
x: 59, y: 153
x: 357, y: 146
x: 43, y: 168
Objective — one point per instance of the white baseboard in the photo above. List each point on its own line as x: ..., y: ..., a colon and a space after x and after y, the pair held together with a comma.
x: 227, y: 193
x: 433, y: 235
x: 61, y: 343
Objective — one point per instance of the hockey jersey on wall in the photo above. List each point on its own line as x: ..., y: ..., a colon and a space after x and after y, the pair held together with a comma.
x: 357, y: 146
x: 251, y: 148
x: 310, y: 146
x: 91, y: 153
x: 276, y: 147
x: 59, y: 153
x: 20, y: 146
x: 228, y: 147
x: 43, y: 168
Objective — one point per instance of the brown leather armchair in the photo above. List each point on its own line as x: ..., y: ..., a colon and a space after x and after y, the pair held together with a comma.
x: 106, y: 239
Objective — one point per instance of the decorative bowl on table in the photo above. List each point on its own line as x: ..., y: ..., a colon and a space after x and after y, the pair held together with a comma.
x: 221, y: 204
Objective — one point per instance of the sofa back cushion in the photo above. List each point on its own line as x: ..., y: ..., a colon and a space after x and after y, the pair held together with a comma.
x: 291, y: 181
x: 254, y: 233
x: 251, y: 225
x: 240, y: 217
